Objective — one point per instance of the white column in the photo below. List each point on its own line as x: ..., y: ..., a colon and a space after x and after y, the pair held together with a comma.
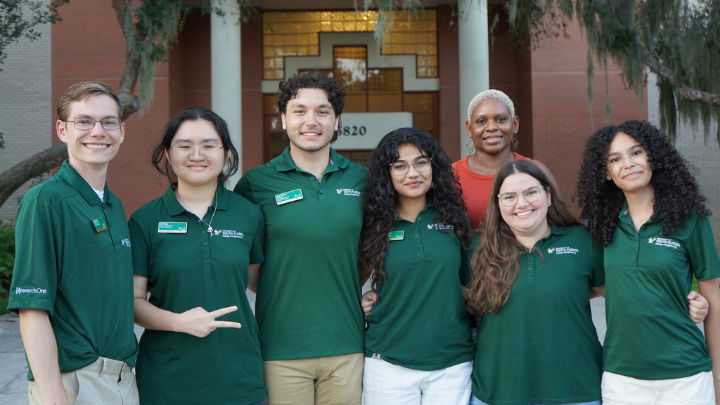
x: 474, y: 57
x: 226, y: 72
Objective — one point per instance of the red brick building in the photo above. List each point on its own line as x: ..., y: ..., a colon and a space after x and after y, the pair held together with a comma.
x: 415, y: 75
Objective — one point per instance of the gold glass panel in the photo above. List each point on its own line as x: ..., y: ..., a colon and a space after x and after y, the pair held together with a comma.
x: 411, y: 33
x: 351, y: 68
x: 421, y: 102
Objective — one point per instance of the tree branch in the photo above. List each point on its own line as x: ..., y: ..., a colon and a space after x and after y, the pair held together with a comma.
x: 14, y: 177
x: 685, y: 93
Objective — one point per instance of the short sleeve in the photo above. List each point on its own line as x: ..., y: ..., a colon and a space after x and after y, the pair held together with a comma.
x: 244, y: 188
x: 702, y: 252
x: 258, y: 247
x: 38, y: 242
x: 140, y: 251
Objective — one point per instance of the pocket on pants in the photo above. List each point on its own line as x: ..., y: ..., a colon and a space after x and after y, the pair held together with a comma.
x: 459, y: 377
x: 381, y: 378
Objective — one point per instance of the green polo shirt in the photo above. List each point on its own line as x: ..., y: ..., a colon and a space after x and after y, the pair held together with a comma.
x: 188, y: 267
x: 420, y: 321
x: 68, y: 265
x: 308, y: 301
x: 650, y: 335
x: 542, y: 347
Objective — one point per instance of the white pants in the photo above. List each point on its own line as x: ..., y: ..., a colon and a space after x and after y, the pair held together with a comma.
x: 387, y: 384
x: 697, y: 389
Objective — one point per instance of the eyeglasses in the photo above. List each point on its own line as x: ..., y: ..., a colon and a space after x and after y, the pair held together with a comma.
x: 530, y: 195
x: 401, y: 167
x: 89, y: 123
x: 207, y: 151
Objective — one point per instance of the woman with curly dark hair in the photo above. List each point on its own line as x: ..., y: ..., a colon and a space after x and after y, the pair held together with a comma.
x: 533, y: 275
x: 415, y: 248
x: 641, y: 202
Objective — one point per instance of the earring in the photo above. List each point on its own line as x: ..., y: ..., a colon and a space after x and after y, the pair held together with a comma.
x: 514, y: 142
x: 470, y: 146
x: 432, y: 184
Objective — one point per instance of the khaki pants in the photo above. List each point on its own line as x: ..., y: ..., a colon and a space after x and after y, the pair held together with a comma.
x: 106, y: 381
x: 334, y: 380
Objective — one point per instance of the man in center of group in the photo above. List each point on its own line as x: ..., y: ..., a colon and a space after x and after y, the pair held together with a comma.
x: 308, y: 299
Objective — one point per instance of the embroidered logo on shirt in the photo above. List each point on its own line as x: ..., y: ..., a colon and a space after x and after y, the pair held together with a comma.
x: 19, y: 290
x: 563, y: 251
x: 348, y: 191
x: 664, y: 242
x: 229, y: 233
x: 125, y: 242
x: 441, y: 227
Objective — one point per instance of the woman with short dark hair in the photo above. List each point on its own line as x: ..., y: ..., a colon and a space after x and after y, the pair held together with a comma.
x: 195, y: 250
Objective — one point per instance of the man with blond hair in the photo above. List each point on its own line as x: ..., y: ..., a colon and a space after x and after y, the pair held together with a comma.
x: 72, y: 282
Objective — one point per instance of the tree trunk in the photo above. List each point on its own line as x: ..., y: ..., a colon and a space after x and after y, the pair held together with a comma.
x: 42, y: 162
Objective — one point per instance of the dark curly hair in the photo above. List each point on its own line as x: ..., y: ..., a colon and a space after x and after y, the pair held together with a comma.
x: 677, y: 193
x: 195, y: 114
x: 495, y: 262
x: 381, y: 199
x: 289, y: 89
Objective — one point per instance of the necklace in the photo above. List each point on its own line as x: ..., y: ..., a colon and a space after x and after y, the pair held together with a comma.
x: 186, y: 206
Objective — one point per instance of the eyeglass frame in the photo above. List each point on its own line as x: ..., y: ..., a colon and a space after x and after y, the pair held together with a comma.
x: 199, y: 150
x: 521, y: 194
x: 413, y: 165
x: 95, y: 122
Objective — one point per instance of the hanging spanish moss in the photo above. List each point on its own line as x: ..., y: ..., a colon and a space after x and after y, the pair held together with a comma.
x: 676, y: 39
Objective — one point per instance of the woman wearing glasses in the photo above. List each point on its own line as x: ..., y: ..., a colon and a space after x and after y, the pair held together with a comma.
x: 195, y: 250
x: 642, y: 203
x: 414, y: 248
x: 533, y: 275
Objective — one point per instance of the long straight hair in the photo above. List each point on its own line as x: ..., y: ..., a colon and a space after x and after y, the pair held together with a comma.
x: 495, y: 262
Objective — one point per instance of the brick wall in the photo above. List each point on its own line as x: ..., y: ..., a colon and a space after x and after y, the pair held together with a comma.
x: 25, y: 107
x: 89, y: 45
x: 561, y: 121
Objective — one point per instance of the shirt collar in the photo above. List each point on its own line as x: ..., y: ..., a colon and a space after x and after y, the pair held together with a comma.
x: 554, y: 231
x: 73, y: 178
x: 428, y: 206
x: 285, y: 163
x: 173, y: 206
x: 624, y: 215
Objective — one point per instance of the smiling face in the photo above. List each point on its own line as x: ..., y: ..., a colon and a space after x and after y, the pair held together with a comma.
x: 310, y: 121
x: 491, y: 127
x: 413, y: 184
x: 528, y: 220
x: 91, y: 149
x: 196, y: 171
x: 628, y: 165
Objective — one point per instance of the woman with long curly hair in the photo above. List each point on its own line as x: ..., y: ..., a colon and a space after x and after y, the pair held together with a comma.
x: 533, y: 275
x: 415, y: 248
x: 641, y: 202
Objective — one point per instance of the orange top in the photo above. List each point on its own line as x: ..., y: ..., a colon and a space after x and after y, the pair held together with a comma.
x: 476, y: 189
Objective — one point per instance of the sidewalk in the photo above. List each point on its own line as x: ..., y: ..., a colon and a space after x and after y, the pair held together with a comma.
x: 13, y: 367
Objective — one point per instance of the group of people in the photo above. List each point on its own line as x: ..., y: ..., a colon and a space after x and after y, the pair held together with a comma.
x: 489, y: 234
